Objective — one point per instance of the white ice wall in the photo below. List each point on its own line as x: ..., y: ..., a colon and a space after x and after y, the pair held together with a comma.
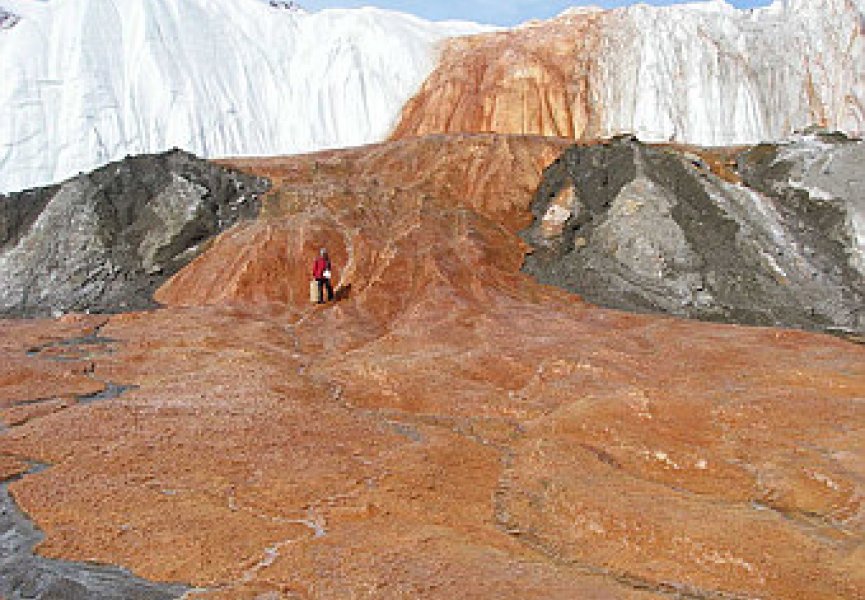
x: 83, y: 82
x: 714, y: 75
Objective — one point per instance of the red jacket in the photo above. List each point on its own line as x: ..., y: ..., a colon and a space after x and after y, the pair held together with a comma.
x: 320, y: 265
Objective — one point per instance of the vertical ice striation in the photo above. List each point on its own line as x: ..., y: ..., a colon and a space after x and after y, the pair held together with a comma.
x: 702, y: 73
x: 85, y: 82
x: 89, y: 81
x: 713, y: 75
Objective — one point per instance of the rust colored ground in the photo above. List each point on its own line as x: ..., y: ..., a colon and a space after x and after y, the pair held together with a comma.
x: 449, y: 428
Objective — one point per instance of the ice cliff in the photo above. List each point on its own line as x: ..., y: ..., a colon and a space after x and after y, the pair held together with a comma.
x: 90, y: 81
x: 703, y: 73
x: 85, y: 82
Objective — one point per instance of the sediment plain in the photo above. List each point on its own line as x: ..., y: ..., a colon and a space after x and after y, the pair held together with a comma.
x: 450, y: 427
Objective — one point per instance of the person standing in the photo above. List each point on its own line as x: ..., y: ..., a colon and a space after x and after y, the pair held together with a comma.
x: 321, y: 272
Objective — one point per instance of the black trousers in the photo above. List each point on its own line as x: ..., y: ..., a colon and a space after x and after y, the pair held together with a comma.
x: 322, y: 284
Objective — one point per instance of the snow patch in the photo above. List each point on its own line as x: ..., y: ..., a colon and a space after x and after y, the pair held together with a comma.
x: 661, y: 457
x: 807, y: 148
x: 575, y: 11
x: 557, y: 214
x: 773, y: 264
x: 825, y: 480
x: 856, y: 224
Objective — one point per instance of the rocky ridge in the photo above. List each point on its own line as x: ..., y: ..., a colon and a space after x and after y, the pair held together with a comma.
x: 449, y: 428
x: 105, y: 241
x: 654, y: 229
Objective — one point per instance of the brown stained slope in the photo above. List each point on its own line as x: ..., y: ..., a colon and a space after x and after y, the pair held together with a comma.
x: 496, y: 175
x: 532, y: 80
x: 451, y: 429
x: 365, y: 206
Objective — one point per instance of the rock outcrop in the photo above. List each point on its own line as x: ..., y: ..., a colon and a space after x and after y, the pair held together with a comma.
x: 8, y: 20
x: 818, y: 179
x: 654, y: 229
x: 105, y: 241
x: 701, y: 73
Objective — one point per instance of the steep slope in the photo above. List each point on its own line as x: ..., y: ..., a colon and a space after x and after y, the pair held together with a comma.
x: 106, y: 240
x: 339, y: 199
x: 90, y: 81
x: 653, y: 229
x: 450, y: 428
x: 702, y: 73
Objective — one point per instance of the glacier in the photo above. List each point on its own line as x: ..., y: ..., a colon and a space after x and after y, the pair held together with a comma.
x: 704, y: 73
x: 85, y: 82
x: 710, y: 74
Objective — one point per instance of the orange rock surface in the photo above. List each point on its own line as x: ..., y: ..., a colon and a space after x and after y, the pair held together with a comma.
x: 369, y: 207
x: 449, y: 427
x: 531, y: 80
x: 22, y: 380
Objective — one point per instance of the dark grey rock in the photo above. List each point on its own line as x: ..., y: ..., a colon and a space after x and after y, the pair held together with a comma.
x: 650, y: 229
x: 105, y: 241
x: 8, y: 20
